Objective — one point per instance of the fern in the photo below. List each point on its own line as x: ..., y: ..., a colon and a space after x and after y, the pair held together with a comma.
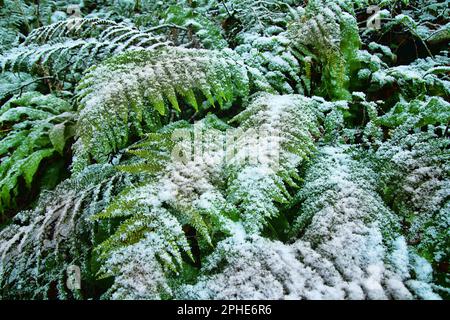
x: 282, y: 130
x: 199, y: 29
x: 11, y: 83
x: 255, y: 15
x: 76, y: 43
x: 414, y: 169
x: 328, y: 34
x: 37, y: 249
x: 191, y: 191
x: 118, y: 98
x: 14, y: 18
x: 323, y: 173
x: 271, y: 65
x: 34, y: 128
x: 420, y: 78
x: 184, y: 194
x: 343, y: 251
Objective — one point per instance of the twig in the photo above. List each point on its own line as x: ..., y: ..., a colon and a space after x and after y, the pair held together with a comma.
x: 27, y: 84
x: 226, y: 8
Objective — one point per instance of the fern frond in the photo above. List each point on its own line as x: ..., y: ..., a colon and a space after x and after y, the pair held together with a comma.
x: 348, y: 248
x: 414, y: 171
x: 100, y: 29
x: 118, y: 97
x: 272, y: 66
x: 40, y: 244
x: 185, y: 193
x: 194, y: 188
x: 138, y: 274
x: 256, y: 15
x: 34, y: 128
x: 12, y: 83
x: 200, y: 31
x: 328, y: 33
x: 281, y: 130
x: 77, y: 43
x: 421, y: 78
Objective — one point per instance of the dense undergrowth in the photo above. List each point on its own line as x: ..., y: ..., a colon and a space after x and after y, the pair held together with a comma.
x: 206, y: 149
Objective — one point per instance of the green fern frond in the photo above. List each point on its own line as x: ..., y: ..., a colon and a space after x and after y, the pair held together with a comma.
x: 179, y: 195
x: 199, y: 27
x: 257, y: 15
x: 423, y: 77
x: 271, y: 65
x: 192, y: 188
x: 349, y: 247
x: 414, y: 167
x: 328, y: 33
x: 35, y: 127
x: 12, y: 83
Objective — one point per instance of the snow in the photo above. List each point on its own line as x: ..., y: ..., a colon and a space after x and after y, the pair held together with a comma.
x: 340, y: 255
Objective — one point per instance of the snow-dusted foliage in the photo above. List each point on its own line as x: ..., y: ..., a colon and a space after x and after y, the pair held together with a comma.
x: 219, y: 182
x: 415, y: 169
x: 327, y: 33
x: 281, y: 130
x: 224, y: 149
x: 425, y: 76
x: 271, y: 65
x: 42, y: 243
x: 347, y: 247
x: 76, y: 43
x: 118, y: 97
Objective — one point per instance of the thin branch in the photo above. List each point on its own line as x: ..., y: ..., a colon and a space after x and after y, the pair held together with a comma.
x: 27, y: 84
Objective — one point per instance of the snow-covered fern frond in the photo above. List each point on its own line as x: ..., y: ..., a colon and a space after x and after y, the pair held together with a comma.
x: 414, y: 168
x: 328, y: 34
x: 346, y: 250
x: 218, y: 184
x: 256, y: 15
x: 427, y: 76
x: 83, y: 28
x: 281, y: 130
x: 39, y: 246
x: 213, y: 187
x: 77, y: 44
x: 271, y: 65
x: 123, y: 95
x: 184, y: 194
x: 12, y: 83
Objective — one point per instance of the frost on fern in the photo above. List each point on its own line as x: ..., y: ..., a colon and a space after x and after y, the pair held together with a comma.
x: 118, y: 98
x: 414, y: 164
x: 322, y: 174
x: 12, y: 83
x: 327, y: 33
x: 271, y: 65
x: 428, y: 76
x: 34, y: 127
x: 186, y: 193
x: 76, y: 43
x: 212, y: 187
x: 254, y: 15
x: 40, y: 244
x: 346, y: 248
x: 281, y: 130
